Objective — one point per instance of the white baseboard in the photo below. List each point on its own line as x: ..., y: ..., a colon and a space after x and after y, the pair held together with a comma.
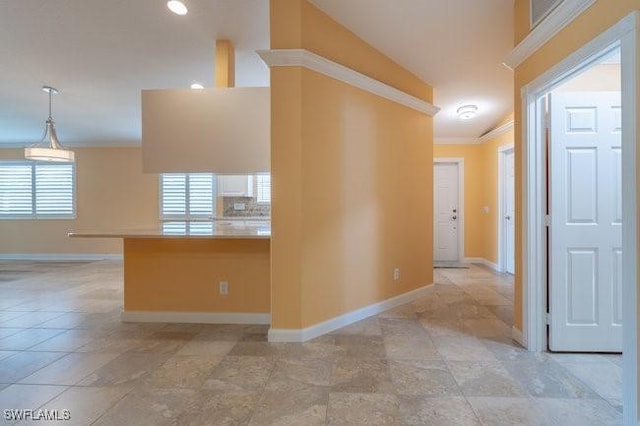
x: 518, y: 336
x: 491, y: 265
x: 195, y: 317
x: 308, y: 333
x: 482, y: 261
x: 61, y: 257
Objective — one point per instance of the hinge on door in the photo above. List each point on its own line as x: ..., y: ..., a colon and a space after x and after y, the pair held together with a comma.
x: 547, y: 220
x: 547, y: 120
x: 547, y: 318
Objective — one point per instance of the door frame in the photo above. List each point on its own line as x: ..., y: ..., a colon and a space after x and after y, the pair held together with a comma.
x: 502, y: 151
x: 460, y: 162
x: 624, y: 35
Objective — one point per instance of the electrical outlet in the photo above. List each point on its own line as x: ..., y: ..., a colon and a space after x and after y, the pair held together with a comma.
x: 396, y: 274
x: 239, y: 206
x: 224, y: 287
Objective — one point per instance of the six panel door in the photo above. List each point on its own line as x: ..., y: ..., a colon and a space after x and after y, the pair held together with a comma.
x: 586, y: 209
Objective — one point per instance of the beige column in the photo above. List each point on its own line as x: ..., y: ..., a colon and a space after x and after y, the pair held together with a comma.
x: 225, y: 69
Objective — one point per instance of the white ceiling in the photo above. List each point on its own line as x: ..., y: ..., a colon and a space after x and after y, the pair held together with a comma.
x: 457, y: 46
x: 101, y: 53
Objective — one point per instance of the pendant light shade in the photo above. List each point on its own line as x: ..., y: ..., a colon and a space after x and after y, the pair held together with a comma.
x: 49, y: 148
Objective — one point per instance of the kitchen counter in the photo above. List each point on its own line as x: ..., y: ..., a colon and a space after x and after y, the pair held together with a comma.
x: 215, y: 271
x: 223, y: 229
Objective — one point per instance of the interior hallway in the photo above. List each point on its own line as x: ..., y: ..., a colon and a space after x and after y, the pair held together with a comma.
x: 446, y: 359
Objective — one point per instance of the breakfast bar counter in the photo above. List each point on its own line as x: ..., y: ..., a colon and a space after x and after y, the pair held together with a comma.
x: 199, y: 272
x: 219, y: 229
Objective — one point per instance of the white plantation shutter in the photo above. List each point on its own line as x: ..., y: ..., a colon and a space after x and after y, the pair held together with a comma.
x: 54, y: 186
x: 174, y: 228
x: 200, y: 228
x: 16, y: 190
x: 186, y: 196
x: 37, y: 191
x: 187, y: 228
x: 173, y: 190
x: 200, y: 195
x: 263, y: 188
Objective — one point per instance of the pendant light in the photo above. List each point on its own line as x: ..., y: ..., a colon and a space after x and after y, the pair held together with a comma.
x: 49, y: 148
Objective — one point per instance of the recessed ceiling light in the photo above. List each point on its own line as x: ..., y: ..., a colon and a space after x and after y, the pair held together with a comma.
x: 178, y: 7
x: 467, y: 112
x: 197, y: 86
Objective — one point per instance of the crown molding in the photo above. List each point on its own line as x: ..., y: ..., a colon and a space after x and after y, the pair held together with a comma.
x: 496, y: 132
x: 476, y: 141
x: 456, y: 141
x: 559, y: 18
x: 322, y: 65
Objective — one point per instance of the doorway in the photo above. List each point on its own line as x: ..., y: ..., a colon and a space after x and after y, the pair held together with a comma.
x: 506, y: 216
x: 585, y: 210
x: 623, y: 35
x: 448, y: 178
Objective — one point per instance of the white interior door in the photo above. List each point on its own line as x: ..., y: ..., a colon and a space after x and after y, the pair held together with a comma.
x: 508, y: 211
x: 447, y: 211
x: 585, y: 256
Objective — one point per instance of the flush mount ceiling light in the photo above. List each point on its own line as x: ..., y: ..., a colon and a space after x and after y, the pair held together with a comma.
x: 49, y: 148
x: 467, y: 112
x: 197, y: 86
x: 178, y: 7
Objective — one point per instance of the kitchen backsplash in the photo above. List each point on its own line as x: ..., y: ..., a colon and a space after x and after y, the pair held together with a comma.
x: 251, y: 207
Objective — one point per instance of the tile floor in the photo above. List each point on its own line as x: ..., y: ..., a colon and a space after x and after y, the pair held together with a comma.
x: 446, y: 359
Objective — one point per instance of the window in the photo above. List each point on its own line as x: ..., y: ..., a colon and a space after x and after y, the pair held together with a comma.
x: 189, y: 196
x: 185, y: 196
x: 263, y: 188
x: 31, y: 190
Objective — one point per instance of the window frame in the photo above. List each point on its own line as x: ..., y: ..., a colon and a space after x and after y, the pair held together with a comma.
x: 34, y: 215
x: 257, y: 188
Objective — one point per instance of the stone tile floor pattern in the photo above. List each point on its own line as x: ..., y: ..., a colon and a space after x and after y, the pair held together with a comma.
x: 446, y: 359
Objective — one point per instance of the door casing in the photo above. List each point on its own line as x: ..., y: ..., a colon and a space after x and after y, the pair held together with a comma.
x: 502, y: 264
x: 624, y: 34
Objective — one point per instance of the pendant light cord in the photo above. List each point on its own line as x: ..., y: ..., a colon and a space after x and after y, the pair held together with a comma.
x: 50, y: 102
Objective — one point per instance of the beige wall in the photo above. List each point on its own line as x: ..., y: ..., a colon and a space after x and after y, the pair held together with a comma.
x: 481, y: 189
x: 599, y: 78
x: 112, y: 193
x: 351, y: 176
x: 216, y: 130
x: 182, y: 275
